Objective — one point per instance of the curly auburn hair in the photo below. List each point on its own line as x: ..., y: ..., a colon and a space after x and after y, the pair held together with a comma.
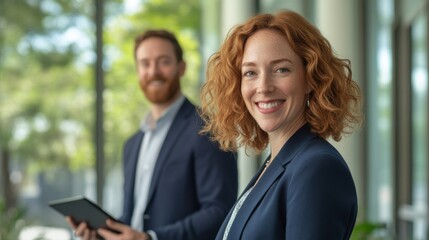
x: 334, y: 97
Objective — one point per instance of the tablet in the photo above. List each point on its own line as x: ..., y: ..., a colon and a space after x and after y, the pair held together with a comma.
x: 82, y: 209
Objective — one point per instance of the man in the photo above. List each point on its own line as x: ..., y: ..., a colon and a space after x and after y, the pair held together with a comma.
x: 178, y: 184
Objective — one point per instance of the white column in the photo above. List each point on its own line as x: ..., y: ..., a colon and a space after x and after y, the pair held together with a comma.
x: 233, y: 13
x: 339, y: 21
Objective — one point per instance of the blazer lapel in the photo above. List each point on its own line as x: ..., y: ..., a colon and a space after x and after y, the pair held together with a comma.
x: 179, y: 124
x: 134, y: 156
x: 130, y: 170
x: 294, y: 145
x: 255, y: 197
x: 225, y: 222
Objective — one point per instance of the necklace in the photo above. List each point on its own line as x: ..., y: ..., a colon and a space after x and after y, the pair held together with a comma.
x: 268, y: 162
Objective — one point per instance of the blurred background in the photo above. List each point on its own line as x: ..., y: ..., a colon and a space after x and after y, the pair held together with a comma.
x: 69, y: 98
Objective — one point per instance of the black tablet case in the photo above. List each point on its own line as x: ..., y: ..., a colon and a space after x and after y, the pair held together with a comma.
x: 82, y: 209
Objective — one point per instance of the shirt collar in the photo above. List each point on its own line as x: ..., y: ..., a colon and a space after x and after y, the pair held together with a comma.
x: 149, y: 123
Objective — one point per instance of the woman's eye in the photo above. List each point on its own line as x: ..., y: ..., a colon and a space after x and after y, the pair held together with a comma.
x: 282, y: 70
x: 248, y: 73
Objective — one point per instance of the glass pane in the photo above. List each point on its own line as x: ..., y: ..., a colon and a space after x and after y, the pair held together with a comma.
x: 274, y: 5
x: 46, y: 113
x: 306, y: 7
x: 419, y: 118
x: 380, y: 114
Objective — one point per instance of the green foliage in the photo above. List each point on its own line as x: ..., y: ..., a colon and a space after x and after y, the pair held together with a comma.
x: 11, y: 222
x: 44, y: 89
x: 366, y: 230
x: 47, y: 95
x: 125, y: 105
x: 42, y: 92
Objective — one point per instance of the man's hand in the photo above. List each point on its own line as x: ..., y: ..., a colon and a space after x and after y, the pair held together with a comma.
x: 82, y: 231
x: 125, y: 232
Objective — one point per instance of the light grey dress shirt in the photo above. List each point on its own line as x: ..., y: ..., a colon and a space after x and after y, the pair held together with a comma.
x: 155, y: 133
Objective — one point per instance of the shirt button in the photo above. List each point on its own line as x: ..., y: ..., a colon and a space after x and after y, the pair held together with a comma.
x: 146, y: 216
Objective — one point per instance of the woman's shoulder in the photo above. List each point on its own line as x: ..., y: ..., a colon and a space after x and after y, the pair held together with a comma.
x: 319, y: 154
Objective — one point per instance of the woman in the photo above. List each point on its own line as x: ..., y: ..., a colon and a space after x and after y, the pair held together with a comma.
x: 276, y: 83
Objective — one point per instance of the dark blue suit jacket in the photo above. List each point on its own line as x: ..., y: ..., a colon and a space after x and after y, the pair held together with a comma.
x: 307, y: 193
x: 194, y: 184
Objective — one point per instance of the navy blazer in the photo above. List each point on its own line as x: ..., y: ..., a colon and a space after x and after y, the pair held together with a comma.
x: 194, y: 184
x: 307, y: 193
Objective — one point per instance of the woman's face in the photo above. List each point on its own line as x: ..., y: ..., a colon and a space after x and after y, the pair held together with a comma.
x: 273, y: 82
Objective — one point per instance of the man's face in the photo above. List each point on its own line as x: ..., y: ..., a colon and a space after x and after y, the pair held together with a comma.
x: 159, y: 72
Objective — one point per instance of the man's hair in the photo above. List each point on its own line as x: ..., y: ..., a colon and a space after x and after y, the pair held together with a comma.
x: 163, y: 34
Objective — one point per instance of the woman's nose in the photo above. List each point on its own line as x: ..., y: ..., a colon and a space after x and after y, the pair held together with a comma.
x: 265, y: 85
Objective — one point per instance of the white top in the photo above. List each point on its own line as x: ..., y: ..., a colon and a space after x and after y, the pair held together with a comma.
x: 235, y: 211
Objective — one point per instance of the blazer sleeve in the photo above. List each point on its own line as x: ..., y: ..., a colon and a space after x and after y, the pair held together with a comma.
x: 322, y: 201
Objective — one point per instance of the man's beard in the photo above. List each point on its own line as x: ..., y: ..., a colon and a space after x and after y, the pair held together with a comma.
x: 163, y: 94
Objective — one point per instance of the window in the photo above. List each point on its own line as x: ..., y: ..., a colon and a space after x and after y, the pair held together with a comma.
x: 379, y: 115
x: 419, y: 123
x: 47, y: 98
